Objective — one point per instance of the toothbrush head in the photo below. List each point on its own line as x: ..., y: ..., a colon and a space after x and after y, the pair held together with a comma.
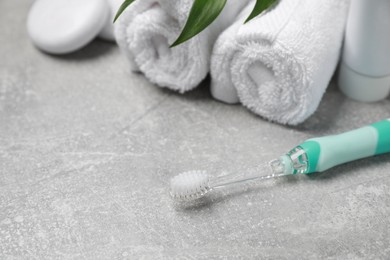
x: 190, y: 185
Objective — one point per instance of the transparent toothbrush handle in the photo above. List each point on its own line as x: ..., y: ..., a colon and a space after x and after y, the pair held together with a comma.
x: 262, y: 172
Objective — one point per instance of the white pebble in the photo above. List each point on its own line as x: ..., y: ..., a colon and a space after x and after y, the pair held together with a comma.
x: 63, y: 26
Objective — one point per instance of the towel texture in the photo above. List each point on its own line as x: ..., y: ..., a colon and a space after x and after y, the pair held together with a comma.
x: 147, y: 27
x: 279, y: 64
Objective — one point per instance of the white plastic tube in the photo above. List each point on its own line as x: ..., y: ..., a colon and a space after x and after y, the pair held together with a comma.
x: 365, y: 68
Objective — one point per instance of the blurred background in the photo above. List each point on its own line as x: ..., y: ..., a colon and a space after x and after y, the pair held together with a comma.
x: 87, y: 149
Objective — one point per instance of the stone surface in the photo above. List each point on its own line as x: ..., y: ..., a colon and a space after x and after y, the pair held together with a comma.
x: 87, y: 150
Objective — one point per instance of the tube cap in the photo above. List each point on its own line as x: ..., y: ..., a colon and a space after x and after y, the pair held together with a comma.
x: 361, y: 87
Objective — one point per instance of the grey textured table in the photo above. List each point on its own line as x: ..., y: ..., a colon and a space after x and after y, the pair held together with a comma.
x: 87, y: 150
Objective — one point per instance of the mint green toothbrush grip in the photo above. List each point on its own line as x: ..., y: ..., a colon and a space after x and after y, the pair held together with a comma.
x: 326, y: 152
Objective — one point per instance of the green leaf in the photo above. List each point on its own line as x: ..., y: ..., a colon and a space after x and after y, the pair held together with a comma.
x: 125, y: 4
x: 260, y: 6
x: 202, y: 14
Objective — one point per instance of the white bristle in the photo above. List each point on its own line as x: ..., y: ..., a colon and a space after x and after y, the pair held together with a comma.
x: 190, y: 185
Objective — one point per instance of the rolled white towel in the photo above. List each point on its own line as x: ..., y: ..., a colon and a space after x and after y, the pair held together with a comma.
x: 279, y: 64
x: 147, y: 27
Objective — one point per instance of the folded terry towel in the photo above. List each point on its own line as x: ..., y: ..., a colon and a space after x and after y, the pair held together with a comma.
x: 279, y: 64
x: 147, y: 27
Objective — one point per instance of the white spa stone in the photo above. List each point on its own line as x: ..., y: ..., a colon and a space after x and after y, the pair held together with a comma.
x: 64, y: 26
x: 107, y: 33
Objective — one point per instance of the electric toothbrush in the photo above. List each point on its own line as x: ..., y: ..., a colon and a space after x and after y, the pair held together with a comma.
x: 313, y: 155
